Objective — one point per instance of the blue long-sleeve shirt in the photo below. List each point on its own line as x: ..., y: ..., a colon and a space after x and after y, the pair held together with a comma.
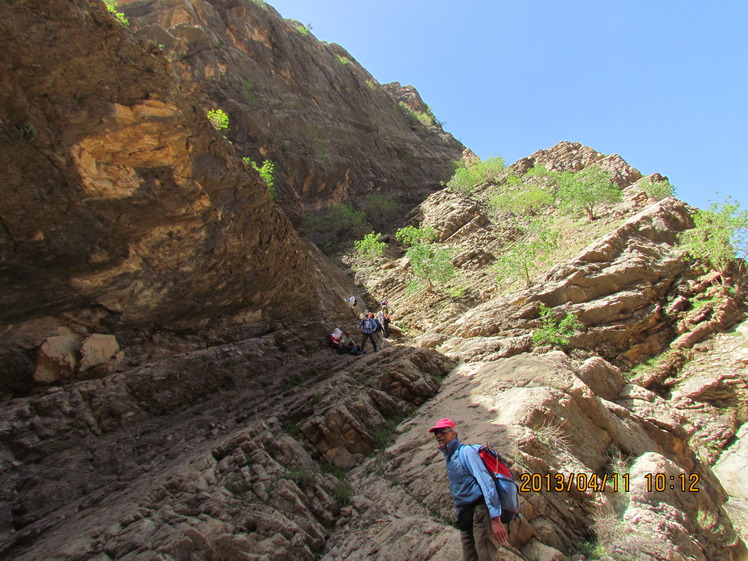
x: 468, y: 486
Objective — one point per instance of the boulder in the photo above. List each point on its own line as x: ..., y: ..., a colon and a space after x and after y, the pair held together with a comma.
x: 99, y: 352
x: 56, y: 359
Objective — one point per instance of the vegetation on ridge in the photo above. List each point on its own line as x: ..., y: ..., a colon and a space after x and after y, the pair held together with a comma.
x: 720, y: 239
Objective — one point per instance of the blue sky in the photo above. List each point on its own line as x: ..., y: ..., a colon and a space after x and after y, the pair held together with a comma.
x: 662, y: 83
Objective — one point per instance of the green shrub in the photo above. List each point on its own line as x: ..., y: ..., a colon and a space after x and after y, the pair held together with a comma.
x: 27, y: 130
x: 410, y: 234
x: 719, y: 238
x: 343, y: 493
x: 370, y: 247
x: 553, y: 331
x: 346, y: 219
x: 250, y: 95
x: 528, y: 255
x: 218, y: 119
x: 111, y: 6
x: 343, y: 59
x: 525, y: 201
x: 266, y: 171
x: 657, y: 189
x: 305, y: 477
x: 467, y: 178
x: 583, y: 192
x: 381, y: 210
x: 426, y: 118
x: 431, y: 263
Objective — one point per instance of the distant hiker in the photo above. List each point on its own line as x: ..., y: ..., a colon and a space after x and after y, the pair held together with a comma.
x: 384, y: 320
x: 352, y: 303
x: 333, y: 340
x: 385, y: 305
x: 368, y: 326
x: 379, y: 331
x: 474, y: 494
x: 350, y: 345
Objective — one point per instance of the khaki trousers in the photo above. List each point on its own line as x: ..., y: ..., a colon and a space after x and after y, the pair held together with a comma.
x: 479, y: 544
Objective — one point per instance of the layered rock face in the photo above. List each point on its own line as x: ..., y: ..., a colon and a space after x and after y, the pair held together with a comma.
x: 235, y: 451
x: 336, y: 134
x: 122, y: 206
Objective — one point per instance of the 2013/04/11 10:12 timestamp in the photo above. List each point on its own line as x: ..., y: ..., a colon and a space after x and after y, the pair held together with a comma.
x: 598, y: 483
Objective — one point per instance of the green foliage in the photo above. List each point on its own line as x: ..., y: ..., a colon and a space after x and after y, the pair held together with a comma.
x: 321, y: 145
x: 218, y: 119
x: 467, y: 178
x: 719, y: 237
x: 266, y: 171
x: 291, y: 428
x: 345, y: 220
x: 370, y: 247
x: 519, y: 202
x: 111, y: 6
x: 554, y: 331
x: 381, y: 210
x: 27, y: 130
x: 249, y: 94
x: 426, y: 118
x: 371, y: 84
x: 528, y: 254
x: 657, y: 189
x: 583, y: 192
x: 410, y: 234
x: 300, y: 27
x: 343, y: 59
x: 343, y: 493
x: 305, y: 477
x: 431, y: 262
x: 261, y: 3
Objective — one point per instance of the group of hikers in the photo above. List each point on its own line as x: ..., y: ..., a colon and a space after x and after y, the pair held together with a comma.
x: 374, y: 328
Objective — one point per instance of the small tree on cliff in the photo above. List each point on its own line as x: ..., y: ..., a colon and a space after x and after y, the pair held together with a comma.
x: 583, y: 192
x: 720, y: 240
x: 528, y: 254
x: 431, y: 262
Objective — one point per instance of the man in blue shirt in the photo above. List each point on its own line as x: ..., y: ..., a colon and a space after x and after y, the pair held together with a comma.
x: 474, y: 494
x: 368, y: 325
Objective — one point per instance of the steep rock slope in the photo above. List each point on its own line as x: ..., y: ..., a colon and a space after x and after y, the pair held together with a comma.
x: 228, y: 451
x: 562, y: 415
x: 122, y: 206
x: 336, y: 134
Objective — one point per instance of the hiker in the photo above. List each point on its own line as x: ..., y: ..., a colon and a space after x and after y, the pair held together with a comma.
x: 368, y: 326
x: 475, y: 496
x: 334, y: 340
x: 378, y: 332
x: 385, y: 305
x: 384, y: 321
x: 349, y: 344
x: 352, y: 303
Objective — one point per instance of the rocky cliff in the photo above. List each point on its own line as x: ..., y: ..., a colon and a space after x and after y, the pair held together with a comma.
x: 337, y: 135
x: 168, y: 395
x: 124, y: 209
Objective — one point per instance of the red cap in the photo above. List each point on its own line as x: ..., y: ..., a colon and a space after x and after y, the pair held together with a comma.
x: 443, y: 424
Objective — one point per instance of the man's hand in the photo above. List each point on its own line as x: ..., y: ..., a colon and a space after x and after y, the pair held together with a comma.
x: 499, y: 532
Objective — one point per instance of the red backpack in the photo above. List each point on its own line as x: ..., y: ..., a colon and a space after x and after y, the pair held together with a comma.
x: 506, y: 486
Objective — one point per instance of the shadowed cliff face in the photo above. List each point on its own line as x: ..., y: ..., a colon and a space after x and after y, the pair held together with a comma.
x: 121, y: 204
x: 335, y: 132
